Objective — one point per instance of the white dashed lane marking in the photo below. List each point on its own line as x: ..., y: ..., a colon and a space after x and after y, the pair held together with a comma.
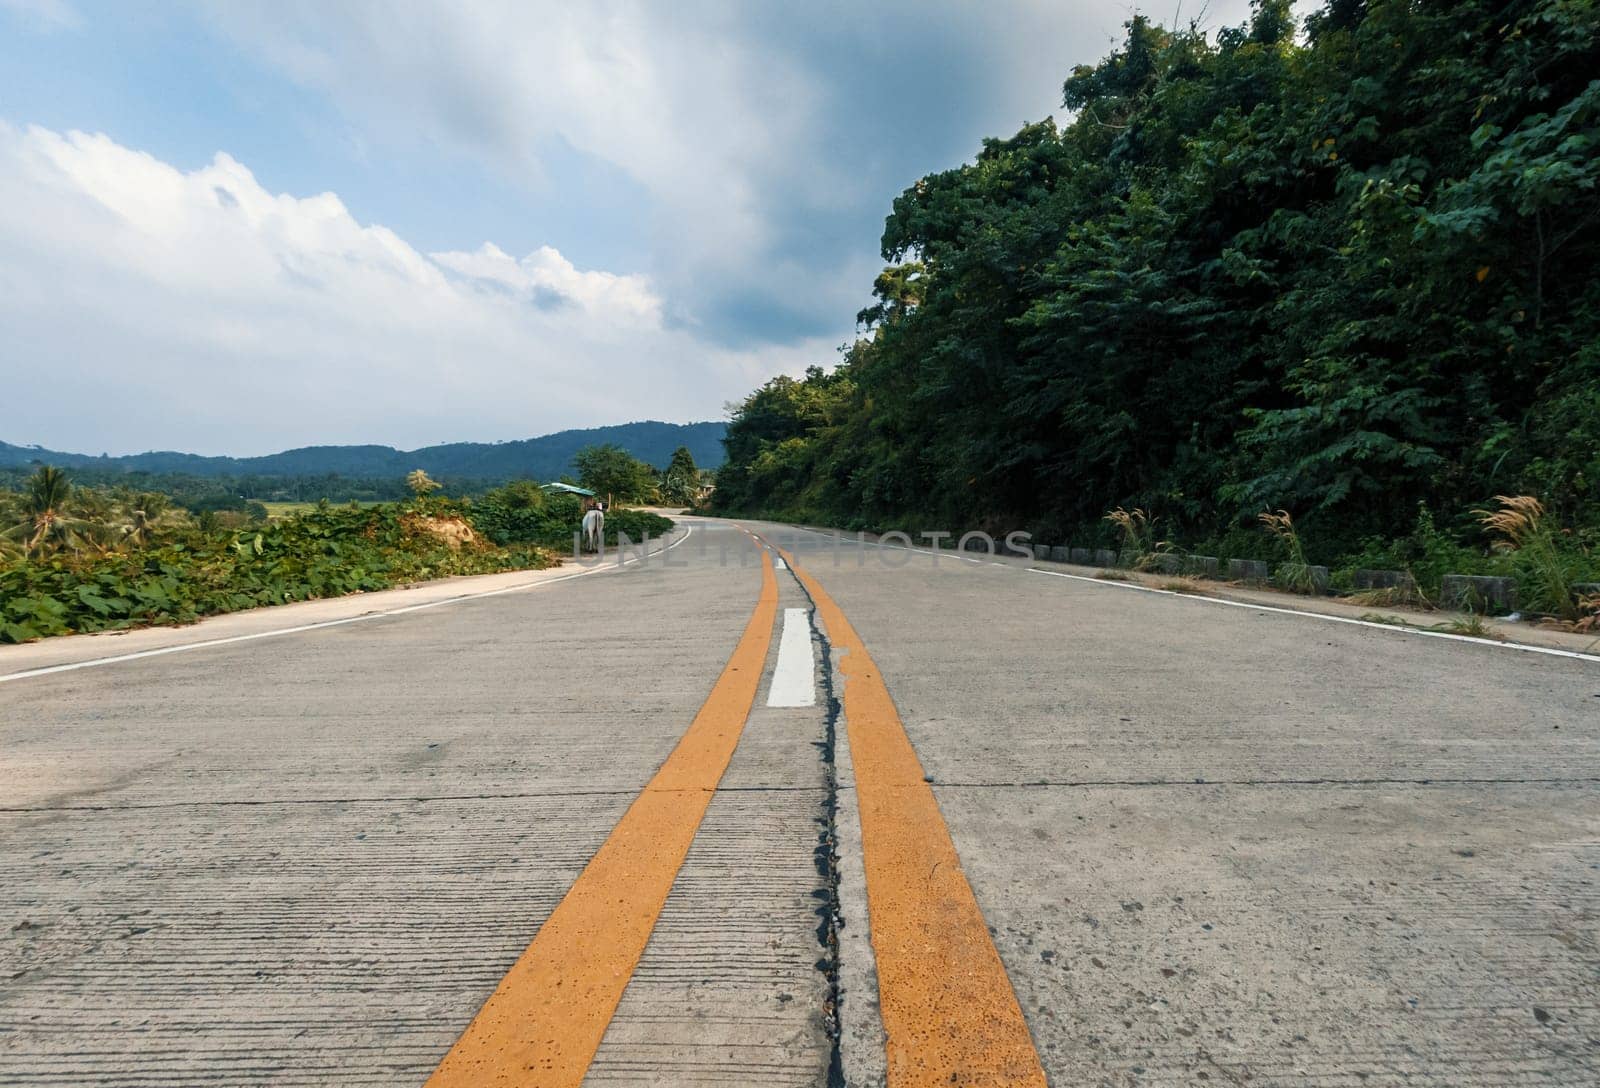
x: 793, y: 680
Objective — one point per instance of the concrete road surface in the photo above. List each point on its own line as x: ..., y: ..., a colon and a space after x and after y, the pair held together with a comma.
x: 864, y: 816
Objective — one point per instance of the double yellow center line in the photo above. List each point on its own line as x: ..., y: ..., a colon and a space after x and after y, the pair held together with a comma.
x: 949, y: 1012
x: 544, y: 1022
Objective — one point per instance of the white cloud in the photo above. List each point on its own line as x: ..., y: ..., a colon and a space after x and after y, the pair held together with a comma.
x: 770, y: 139
x: 146, y: 305
x: 676, y: 100
x: 545, y: 277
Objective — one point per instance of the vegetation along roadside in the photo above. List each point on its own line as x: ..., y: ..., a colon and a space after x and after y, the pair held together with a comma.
x: 1282, y: 269
x: 76, y: 559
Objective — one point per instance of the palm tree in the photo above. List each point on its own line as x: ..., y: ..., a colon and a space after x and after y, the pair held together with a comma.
x: 45, y: 520
x: 146, y: 512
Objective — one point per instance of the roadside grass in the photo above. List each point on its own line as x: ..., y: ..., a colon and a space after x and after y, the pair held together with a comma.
x: 1392, y: 597
x: 1545, y: 568
x: 1296, y: 574
x: 1112, y: 576
x: 1385, y: 618
x: 1472, y: 625
x: 1139, y: 544
x: 1183, y: 585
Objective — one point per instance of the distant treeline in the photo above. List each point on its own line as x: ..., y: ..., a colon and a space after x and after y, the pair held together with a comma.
x: 227, y: 492
x: 1343, y: 273
x: 477, y: 463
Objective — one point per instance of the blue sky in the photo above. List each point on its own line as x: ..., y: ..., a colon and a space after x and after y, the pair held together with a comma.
x: 236, y: 227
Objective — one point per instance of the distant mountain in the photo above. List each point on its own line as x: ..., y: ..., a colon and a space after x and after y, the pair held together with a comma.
x: 543, y: 458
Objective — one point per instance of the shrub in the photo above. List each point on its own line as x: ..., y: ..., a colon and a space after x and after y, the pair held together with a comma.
x: 510, y: 515
x: 324, y: 552
x: 1428, y: 552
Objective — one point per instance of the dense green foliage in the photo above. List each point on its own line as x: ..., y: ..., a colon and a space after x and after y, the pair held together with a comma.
x: 187, y: 572
x: 614, y: 474
x: 1342, y: 275
x: 522, y: 513
x: 681, y: 480
x: 78, y: 558
x: 543, y: 458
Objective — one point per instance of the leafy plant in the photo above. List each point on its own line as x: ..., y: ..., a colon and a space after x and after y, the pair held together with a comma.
x: 324, y: 552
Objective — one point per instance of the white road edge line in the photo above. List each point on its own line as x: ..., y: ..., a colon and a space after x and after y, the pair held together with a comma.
x: 793, y: 677
x: 1522, y: 646
x: 276, y: 632
x: 1390, y: 627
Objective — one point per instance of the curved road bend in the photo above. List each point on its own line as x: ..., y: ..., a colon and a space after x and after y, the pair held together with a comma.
x: 582, y: 833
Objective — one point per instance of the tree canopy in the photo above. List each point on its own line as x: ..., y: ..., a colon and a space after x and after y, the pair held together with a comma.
x: 612, y: 472
x: 1338, y: 272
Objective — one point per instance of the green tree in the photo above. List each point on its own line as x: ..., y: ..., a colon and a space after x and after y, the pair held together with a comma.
x: 45, y: 523
x: 680, y: 480
x: 613, y: 472
x: 1336, y: 273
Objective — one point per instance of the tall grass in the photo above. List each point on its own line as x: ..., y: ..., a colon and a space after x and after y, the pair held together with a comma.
x: 1521, y: 529
x: 1296, y: 574
x: 1138, y: 530
x: 1588, y: 621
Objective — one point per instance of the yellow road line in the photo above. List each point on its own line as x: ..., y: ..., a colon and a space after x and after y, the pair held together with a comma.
x: 949, y: 1011
x: 544, y: 1022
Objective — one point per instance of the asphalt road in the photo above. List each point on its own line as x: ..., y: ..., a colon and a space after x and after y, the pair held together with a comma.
x: 1031, y: 829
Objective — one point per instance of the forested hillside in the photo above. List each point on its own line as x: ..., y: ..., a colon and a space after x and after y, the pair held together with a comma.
x: 1343, y: 269
x: 543, y: 458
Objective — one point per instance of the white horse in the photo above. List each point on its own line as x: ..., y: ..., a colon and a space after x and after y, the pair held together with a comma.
x: 594, y: 529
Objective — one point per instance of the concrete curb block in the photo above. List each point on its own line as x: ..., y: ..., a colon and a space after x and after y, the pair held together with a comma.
x: 1384, y: 579
x: 1477, y: 593
x: 1319, y: 576
x: 1166, y: 563
x: 1253, y: 571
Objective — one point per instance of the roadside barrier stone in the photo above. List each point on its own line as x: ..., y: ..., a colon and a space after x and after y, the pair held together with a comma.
x: 1383, y: 579
x: 1478, y: 593
x: 1253, y: 571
